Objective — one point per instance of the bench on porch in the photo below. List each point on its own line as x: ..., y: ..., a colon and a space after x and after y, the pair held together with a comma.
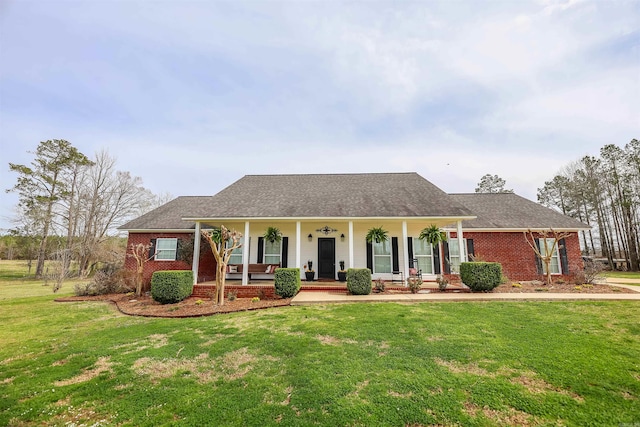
x: 253, y: 269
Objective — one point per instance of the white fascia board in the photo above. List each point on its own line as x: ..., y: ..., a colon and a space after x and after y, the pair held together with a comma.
x: 158, y: 230
x: 512, y: 230
x: 335, y: 218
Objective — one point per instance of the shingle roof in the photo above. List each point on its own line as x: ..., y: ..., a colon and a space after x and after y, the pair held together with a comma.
x: 326, y: 196
x: 510, y: 211
x: 166, y: 217
x: 310, y: 196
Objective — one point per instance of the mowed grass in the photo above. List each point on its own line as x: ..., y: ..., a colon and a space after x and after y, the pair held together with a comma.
x: 472, y: 364
x: 622, y: 274
x: 15, y: 281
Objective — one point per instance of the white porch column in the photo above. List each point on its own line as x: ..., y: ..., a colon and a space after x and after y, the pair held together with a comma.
x: 245, y: 255
x: 351, y: 245
x: 298, y: 247
x: 462, y: 248
x: 196, y: 254
x: 405, y: 248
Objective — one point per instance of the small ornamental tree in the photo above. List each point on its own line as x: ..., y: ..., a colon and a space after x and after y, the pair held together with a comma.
x: 217, y: 239
x: 544, y: 236
x: 140, y: 253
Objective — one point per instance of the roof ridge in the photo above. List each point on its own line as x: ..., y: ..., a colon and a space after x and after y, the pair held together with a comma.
x: 334, y: 174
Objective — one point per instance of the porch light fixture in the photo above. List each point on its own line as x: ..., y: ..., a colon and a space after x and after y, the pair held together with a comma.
x: 342, y: 237
x: 310, y: 237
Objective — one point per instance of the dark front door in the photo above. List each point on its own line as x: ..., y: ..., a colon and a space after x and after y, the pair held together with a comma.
x: 326, y: 258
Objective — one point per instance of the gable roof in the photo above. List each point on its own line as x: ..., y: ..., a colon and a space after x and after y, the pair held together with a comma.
x: 510, y: 211
x: 374, y: 195
x: 380, y: 195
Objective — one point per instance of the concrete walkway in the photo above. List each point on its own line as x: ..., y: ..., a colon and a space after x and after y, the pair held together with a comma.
x: 308, y: 298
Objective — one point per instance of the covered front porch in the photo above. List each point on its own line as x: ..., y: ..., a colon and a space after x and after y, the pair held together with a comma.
x: 324, y: 245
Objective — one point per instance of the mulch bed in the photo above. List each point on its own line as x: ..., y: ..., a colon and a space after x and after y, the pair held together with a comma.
x: 190, y: 307
x: 564, y: 288
x: 196, y: 307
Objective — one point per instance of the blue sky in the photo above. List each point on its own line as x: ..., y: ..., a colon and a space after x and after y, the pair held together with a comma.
x: 192, y: 95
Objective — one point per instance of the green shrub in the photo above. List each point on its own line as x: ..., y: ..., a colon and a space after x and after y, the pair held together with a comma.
x: 287, y: 282
x: 171, y: 286
x: 481, y: 276
x: 359, y: 281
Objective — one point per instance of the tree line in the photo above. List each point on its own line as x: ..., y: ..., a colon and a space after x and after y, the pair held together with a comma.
x: 604, y: 192
x: 69, y: 206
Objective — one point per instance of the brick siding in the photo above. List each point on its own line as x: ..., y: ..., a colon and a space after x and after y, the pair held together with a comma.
x: 517, y: 258
x: 206, y: 269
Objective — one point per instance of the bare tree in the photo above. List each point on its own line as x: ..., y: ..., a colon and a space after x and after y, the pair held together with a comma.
x: 140, y: 253
x: 217, y: 239
x: 543, y: 237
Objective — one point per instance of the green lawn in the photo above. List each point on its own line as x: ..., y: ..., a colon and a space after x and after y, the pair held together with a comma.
x: 622, y: 274
x: 471, y: 364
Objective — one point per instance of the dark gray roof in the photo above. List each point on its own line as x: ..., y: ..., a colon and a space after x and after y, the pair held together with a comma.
x: 166, y: 217
x: 510, y: 211
x: 310, y: 196
x: 327, y: 196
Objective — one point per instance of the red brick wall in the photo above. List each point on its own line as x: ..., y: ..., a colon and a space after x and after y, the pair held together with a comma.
x: 206, y: 268
x: 516, y: 256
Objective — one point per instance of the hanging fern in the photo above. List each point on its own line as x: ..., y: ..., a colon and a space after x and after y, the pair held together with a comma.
x: 272, y: 234
x: 377, y: 234
x: 432, y: 235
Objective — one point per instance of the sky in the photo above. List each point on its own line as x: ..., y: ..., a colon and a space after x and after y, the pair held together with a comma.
x: 192, y: 95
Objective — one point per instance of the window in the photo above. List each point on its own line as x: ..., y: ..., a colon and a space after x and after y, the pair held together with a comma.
x: 166, y: 249
x: 555, y: 257
x: 272, y: 252
x: 423, y: 252
x: 236, y: 255
x: 454, y: 255
x: 382, y: 257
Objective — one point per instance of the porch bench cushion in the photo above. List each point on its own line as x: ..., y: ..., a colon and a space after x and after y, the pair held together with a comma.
x: 255, y: 268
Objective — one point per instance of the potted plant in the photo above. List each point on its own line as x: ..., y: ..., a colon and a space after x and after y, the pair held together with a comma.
x: 443, y: 282
x: 272, y: 234
x: 377, y: 235
x: 432, y: 235
x: 342, y: 273
x: 308, y: 271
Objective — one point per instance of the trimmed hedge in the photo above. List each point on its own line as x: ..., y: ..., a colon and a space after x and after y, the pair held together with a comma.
x: 359, y: 281
x: 171, y: 286
x: 287, y: 282
x: 481, y: 276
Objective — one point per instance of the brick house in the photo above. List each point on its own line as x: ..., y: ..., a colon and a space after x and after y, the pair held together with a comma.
x: 324, y: 219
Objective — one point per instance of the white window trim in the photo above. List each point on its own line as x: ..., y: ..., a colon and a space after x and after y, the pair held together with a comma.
x: 157, y: 251
x: 460, y: 250
x: 556, y: 255
x: 237, y: 251
x: 265, y: 254
x: 417, y: 256
x: 389, y: 255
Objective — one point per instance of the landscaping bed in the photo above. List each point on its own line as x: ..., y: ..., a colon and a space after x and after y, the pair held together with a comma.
x: 190, y: 307
x: 568, y: 288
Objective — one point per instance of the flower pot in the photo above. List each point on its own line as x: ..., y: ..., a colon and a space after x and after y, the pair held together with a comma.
x: 342, y: 276
x: 310, y: 275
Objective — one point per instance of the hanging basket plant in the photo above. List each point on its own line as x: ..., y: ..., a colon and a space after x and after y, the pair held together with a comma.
x: 432, y: 235
x: 377, y: 235
x: 272, y: 234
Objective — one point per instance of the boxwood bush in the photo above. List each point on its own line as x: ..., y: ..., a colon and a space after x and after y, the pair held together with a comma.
x: 481, y: 276
x: 359, y: 281
x: 287, y: 282
x: 171, y: 286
